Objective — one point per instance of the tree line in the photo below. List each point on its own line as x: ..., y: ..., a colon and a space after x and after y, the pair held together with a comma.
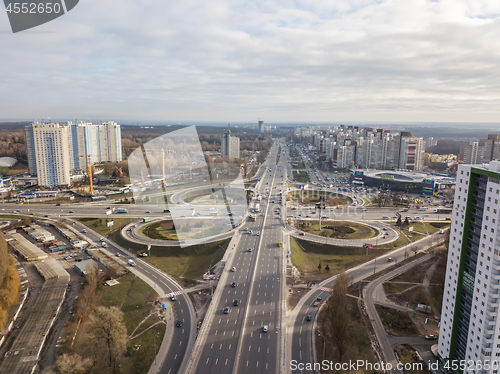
x: 9, y: 283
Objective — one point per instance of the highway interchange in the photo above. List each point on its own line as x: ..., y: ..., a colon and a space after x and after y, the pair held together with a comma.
x: 235, y: 341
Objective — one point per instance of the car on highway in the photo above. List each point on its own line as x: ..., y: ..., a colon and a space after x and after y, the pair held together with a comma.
x: 178, y: 323
x: 58, y: 204
x: 70, y: 211
x: 147, y: 212
x: 46, y: 216
x: 118, y: 255
x: 172, y: 297
x: 430, y: 337
x: 258, y: 233
x: 265, y: 328
x: 389, y: 259
x: 101, y: 240
x: 84, y: 231
x: 308, y: 317
x: 249, y: 249
x: 233, y: 269
x: 225, y: 310
x: 236, y: 302
x: 302, y: 234
x: 31, y: 214
x: 233, y: 284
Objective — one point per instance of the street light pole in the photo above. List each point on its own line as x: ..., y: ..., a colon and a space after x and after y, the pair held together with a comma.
x: 324, y: 345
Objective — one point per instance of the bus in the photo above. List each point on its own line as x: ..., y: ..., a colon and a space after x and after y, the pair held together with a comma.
x: 146, y: 219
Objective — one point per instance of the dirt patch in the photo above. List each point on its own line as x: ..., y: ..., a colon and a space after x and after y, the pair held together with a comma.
x: 201, y: 300
x: 294, y: 295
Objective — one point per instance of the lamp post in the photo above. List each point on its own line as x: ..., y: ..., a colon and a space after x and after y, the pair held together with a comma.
x: 324, y: 346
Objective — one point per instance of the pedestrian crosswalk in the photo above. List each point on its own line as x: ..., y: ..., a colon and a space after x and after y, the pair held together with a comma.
x: 176, y: 293
x: 325, y: 289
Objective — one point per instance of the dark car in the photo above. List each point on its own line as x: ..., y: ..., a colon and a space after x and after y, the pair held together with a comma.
x: 178, y: 323
x: 58, y: 204
x: 233, y: 284
x: 308, y: 317
x: 236, y: 302
x: 70, y: 211
x: 46, y: 216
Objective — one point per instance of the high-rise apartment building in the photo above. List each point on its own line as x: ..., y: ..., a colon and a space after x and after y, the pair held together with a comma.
x: 48, y: 153
x: 261, y: 126
x: 411, y: 151
x: 102, y: 142
x: 470, y: 317
x: 230, y: 145
x: 479, y: 151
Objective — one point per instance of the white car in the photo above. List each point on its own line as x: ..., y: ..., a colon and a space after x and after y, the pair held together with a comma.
x: 265, y: 328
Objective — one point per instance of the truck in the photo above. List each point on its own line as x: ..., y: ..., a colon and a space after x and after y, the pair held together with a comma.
x: 318, y: 301
x: 257, y: 206
x: 146, y: 219
x: 121, y: 210
x: 253, y: 217
x: 443, y: 211
x: 131, y: 262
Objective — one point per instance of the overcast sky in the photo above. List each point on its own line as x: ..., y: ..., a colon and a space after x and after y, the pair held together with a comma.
x: 230, y: 61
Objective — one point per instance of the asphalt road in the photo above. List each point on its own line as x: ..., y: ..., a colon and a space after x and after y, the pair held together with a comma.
x: 301, y: 331
x: 236, y: 342
x: 172, y: 362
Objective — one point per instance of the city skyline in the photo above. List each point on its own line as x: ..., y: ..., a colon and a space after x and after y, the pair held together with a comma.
x: 347, y: 61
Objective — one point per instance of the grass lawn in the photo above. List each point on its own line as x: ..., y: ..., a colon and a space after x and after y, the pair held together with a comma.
x: 299, y: 166
x: 339, y: 229
x: 253, y: 171
x: 190, y: 262
x: 392, y: 288
x: 407, y: 358
x: 396, y: 322
x: 19, y: 167
x: 433, y: 227
x: 164, y: 230
x: 307, y: 256
x: 301, y: 176
x: 99, y: 224
x: 136, y: 300
x: 313, y: 196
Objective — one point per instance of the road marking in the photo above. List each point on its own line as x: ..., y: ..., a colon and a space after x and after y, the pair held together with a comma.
x: 207, y: 360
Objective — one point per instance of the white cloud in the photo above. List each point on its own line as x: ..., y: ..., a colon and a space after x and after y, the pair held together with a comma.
x: 237, y: 60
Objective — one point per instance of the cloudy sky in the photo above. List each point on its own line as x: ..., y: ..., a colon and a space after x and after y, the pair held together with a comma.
x: 230, y: 61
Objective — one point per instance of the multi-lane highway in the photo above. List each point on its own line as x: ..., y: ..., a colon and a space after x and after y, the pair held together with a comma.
x: 237, y: 341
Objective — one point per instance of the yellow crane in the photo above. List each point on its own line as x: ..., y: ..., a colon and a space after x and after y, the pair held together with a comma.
x: 89, y: 167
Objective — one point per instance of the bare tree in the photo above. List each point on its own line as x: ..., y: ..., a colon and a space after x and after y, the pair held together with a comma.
x: 109, y: 334
x: 73, y: 364
x: 337, y: 320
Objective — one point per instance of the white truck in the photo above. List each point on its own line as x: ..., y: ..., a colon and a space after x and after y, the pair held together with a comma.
x: 257, y: 207
x: 131, y: 262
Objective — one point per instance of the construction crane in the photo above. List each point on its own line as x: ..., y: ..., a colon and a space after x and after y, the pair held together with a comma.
x: 89, y: 167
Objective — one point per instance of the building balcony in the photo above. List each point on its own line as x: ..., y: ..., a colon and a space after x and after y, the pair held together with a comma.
x: 491, y: 322
x: 493, y: 303
x: 488, y: 341
x: 495, y: 267
x: 495, y: 286
x: 494, y: 295
x: 492, y: 313
x: 489, y: 331
x: 495, y: 256
x: 487, y: 348
x: 495, y: 276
